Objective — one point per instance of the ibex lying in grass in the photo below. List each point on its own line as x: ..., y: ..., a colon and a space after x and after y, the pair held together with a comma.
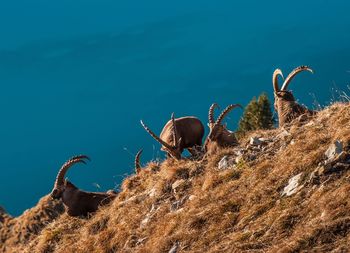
x: 179, y: 134
x: 78, y: 202
x: 219, y: 135
x: 287, y: 108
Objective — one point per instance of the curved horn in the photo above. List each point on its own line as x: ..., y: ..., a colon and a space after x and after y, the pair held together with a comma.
x: 275, y: 75
x: 137, y: 161
x: 156, y: 137
x: 225, y: 112
x: 293, y: 74
x: 176, y: 141
x: 62, y: 172
x: 211, y: 113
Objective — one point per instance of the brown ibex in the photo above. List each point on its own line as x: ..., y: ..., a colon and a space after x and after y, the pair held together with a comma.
x: 285, y: 105
x: 179, y: 134
x: 219, y: 135
x: 78, y: 202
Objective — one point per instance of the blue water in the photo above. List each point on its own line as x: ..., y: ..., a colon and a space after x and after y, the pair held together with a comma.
x: 77, y: 76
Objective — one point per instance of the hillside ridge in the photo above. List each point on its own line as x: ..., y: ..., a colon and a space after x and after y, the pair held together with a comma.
x: 280, y: 190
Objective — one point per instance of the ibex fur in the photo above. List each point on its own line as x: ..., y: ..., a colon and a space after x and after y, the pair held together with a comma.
x: 179, y: 134
x: 78, y: 202
x: 285, y: 105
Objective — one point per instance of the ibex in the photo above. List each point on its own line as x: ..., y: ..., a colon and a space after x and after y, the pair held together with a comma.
x: 78, y: 202
x: 179, y: 134
x: 287, y: 108
x: 218, y: 133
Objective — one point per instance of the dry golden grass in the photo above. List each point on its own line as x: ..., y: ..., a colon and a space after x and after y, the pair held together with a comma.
x: 15, y: 233
x: 236, y: 210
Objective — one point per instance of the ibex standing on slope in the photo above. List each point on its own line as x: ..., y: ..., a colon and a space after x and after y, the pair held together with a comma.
x: 179, y: 134
x: 78, y: 202
x: 287, y: 108
x: 219, y: 135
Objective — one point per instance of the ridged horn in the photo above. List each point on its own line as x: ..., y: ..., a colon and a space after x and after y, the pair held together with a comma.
x: 156, y: 137
x: 62, y: 172
x: 176, y: 141
x: 275, y: 75
x: 211, y: 113
x: 137, y: 161
x: 225, y: 112
x: 293, y: 74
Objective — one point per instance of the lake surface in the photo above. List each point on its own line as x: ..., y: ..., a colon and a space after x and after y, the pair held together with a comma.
x: 76, y: 78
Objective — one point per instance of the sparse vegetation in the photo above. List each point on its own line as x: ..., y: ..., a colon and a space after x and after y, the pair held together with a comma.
x: 193, y: 205
x: 257, y: 115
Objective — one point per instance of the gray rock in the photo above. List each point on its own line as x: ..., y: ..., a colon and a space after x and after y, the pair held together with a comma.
x: 334, y: 150
x: 226, y: 162
x: 175, y: 248
x: 264, y: 140
x: 293, y: 185
x: 255, y: 141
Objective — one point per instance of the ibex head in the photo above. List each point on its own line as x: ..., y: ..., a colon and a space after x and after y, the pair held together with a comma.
x: 173, y: 149
x: 283, y: 93
x: 61, y: 184
x: 217, y: 131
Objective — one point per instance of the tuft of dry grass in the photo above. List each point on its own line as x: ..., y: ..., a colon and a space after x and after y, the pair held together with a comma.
x: 202, y: 209
x: 15, y: 233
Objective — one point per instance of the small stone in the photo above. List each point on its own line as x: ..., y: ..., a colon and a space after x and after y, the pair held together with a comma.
x: 175, y: 248
x: 225, y: 163
x: 264, y: 140
x: 293, y: 186
x: 334, y: 150
x: 255, y: 141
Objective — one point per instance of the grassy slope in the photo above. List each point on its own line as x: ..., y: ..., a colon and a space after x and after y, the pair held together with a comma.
x: 235, y: 210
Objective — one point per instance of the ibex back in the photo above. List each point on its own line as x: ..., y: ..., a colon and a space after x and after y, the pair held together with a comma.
x: 179, y: 134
